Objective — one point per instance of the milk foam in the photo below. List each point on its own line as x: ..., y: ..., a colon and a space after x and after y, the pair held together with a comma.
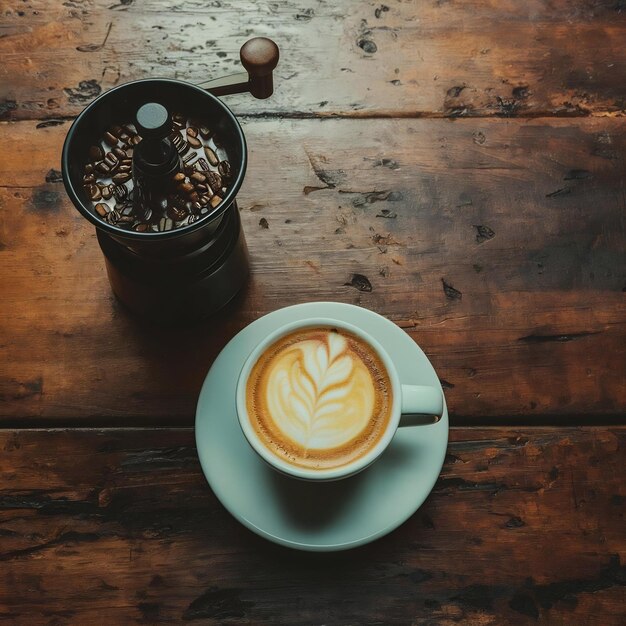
x: 319, y: 394
x: 319, y: 398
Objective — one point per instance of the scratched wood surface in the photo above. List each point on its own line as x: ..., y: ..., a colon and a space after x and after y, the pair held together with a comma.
x: 355, y: 57
x: 494, y: 237
x: 522, y: 525
x: 497, y: 245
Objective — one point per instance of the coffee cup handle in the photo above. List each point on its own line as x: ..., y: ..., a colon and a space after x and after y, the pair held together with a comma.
x: 420, y: 405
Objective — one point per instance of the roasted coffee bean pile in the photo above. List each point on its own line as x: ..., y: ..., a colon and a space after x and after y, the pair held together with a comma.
x: 193, y: 192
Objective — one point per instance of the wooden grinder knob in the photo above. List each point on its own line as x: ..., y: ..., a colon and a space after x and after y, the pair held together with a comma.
x: 260, y: 56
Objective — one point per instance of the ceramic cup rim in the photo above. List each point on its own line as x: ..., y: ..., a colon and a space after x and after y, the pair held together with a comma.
x: 321, y: 475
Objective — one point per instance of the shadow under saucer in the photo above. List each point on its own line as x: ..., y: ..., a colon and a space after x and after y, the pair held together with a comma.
x: 312, y: 505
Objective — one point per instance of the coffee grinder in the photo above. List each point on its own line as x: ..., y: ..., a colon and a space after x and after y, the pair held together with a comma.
x: 167, y: 222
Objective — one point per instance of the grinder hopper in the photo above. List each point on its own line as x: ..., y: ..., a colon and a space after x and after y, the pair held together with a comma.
x: 191, y: 270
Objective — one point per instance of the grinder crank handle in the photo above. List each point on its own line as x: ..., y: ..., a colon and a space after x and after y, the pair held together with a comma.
x: 259, y: 56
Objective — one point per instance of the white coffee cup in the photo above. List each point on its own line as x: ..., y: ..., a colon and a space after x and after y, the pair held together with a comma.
x: 408, y: 402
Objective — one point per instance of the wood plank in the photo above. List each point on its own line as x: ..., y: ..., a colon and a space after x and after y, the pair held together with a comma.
x: 521, y: 526
x: 475, y: 58
x: 501, y: 254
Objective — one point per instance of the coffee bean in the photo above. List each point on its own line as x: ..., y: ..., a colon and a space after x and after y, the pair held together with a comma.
x: 122, y: 177
x: 93, y: 191
x: 121, y: 205
x: 196, y: 206
x: 130, y: 129
x: 120, y: 154
x: 214, y: 180
x: 202, y: 165
x: 107, y: 192
x: 103, y: 168
x: 113, y: 216
x: 189, y: 158
x: 179, y: 119
x: 194, y: 196
x: 213, y: 160
x: 126, y: 219
x: 141, y: 227
x: 124, y: 137
x: 194, y: 142
x: 102, y: 209
x: 205, y: 131
x: 204, y: 200
x: 192, y: 131
x: 224, y: 169
x: 112, y: 161
x: 177, y: 200
x: 202, y: 188
x: 96, y: 153
x: 134, y: 140
x: 89, y: 168
x: 110, y: 139
x: 120, y: 192
x: 116, y: 130
x: 89, y: 179
x: 125, y: 168
x: 189, y: 169
x: 176, y: 213
x: 192, y: 219
x: 215, y: 200
x: 183, y: 147
x: 185, y: 188
x: 179, y: 177
x: 197, y: 177
x: 126, y: 162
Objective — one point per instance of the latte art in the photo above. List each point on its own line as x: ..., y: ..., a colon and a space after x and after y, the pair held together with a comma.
x: 319, y: 394
x: 319, y: 398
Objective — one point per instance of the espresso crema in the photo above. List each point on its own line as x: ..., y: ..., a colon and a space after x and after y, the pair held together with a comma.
x: 319, y: 398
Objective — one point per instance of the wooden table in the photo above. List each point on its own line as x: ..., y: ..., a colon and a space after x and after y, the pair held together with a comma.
x: 467, y: 159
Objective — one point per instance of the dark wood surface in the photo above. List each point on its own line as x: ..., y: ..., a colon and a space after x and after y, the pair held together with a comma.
x: 523, y: 525
x: 498, y: 245
x: 467, y: 159
x: 434, y: 58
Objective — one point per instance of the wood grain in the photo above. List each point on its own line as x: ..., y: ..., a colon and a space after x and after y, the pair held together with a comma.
x: 353, y: 58
x: 497, y: 245
x: 521, y: 526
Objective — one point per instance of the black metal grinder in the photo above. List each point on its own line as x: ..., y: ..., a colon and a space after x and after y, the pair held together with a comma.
x: 156, y: 165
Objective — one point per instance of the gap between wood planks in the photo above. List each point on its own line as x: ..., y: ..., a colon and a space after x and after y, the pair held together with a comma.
x: 45, y: 122
x: 163, y: 422
x: 188, y: 428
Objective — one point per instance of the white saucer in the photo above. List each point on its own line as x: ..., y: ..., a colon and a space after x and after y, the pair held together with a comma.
x: 309, y: 516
